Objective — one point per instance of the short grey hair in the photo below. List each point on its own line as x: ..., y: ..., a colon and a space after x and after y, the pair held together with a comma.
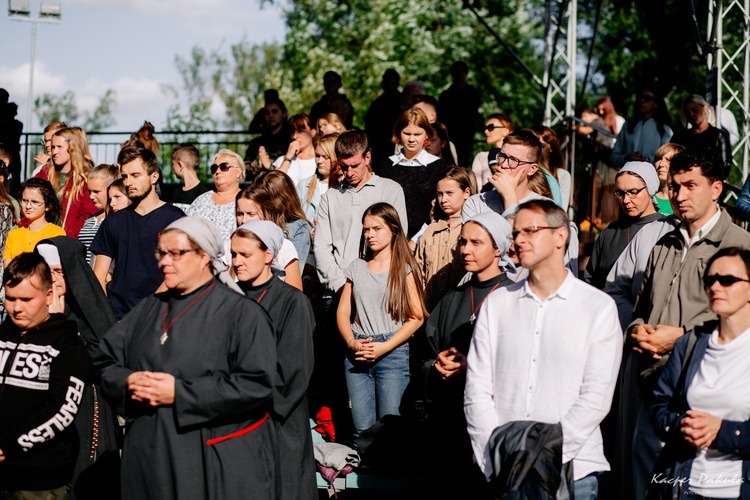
x: 553, y: 213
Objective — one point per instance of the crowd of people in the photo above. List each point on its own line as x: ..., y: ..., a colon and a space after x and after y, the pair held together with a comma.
x: 420, y: 306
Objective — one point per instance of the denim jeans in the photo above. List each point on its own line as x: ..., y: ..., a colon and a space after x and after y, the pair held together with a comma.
x: 586, y: 488
x: 375, y: 389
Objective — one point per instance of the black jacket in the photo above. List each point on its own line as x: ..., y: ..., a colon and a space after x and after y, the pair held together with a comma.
x: 44, y: 372
x: 527, y: 462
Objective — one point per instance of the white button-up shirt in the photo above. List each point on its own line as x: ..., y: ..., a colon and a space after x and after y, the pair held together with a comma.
x: 553, y: 360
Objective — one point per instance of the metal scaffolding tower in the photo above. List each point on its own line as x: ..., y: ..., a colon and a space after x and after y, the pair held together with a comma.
x: 728, y: 58
x: 559, y: 79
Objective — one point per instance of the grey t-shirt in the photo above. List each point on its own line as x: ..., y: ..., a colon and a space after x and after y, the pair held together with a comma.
x: 369, y: 292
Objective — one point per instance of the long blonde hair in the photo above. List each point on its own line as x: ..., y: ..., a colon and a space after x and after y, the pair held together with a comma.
x: 79, y: 166
x: 327, y: 143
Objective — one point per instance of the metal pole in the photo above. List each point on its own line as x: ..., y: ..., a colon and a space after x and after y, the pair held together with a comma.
x: 745, y: 92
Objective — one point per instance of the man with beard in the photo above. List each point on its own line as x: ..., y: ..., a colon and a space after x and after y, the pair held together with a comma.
x: 128, y: 237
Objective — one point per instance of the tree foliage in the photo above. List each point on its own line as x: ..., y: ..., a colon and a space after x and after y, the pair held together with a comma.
x: 637, y: 41
x: 64, y: 108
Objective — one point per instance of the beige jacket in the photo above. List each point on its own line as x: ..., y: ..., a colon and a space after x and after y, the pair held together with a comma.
x: 439, y: 259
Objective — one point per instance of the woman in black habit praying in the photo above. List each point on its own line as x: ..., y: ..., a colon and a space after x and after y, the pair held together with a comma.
x: 484, y: 241
x: 192, y: 370
x: 78, y: 295
x: 254, y: 246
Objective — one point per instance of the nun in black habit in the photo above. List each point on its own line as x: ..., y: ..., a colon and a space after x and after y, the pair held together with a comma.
x: 484, y: 241
x: 192, y: 369
x: 79, y: 296
x: 254, y: 246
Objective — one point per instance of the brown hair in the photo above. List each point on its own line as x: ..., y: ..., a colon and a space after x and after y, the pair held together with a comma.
x: 610, y: 115
x: 328, y: 144
x: 188, y: 154
x: 503, y: 119
x: 300, y: 123
x: 350, y: 143
x: 554, y: 160
x: 553, y: 213
x: 24, y: 266
x: 110, y: 173
x: 527, y: 138
x: 283, y: 195
x: 412, y: 117
x: 669, y: 147
x: 143, y: 137
x: 119, y: 185
x: 48, y: 195
x: 398, y: 305
x: 538, y: 183
x: 465, y: 179
x: 260, y: 196
x: 334, y: 120
x: 132, y: 153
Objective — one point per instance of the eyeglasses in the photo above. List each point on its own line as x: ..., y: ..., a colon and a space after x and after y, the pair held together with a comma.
x: 491, y: 126
x: 646, y: 98
x: 44, y: 141
x: 630, y: 193
x: 724, y: 280
x: 173, y: 254
x: 513, y: 162
x: 530, y: 231
x: 224, y: 167
x: 31, y: 203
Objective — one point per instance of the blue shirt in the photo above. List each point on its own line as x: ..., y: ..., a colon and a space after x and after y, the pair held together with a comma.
x: 130, y: 239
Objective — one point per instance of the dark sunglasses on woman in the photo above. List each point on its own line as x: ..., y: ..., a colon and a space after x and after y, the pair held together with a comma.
x: 224, y: 167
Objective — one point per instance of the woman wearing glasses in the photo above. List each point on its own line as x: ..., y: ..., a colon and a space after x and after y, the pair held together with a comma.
x: 497, y: 128
x: 701, y: 403
x: 193, y: 370
x: 636, y: 185
x: 228, y: 170
x: 41, y: 211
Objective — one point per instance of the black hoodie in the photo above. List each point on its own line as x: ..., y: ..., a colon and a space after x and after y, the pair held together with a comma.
x: 44, y: 372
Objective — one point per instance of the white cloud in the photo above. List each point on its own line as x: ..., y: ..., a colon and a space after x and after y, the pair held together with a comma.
x: 16, y: 81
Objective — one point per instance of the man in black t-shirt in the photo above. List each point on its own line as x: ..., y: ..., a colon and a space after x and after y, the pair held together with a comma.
x: 129, y: 237
x: 185, y: 160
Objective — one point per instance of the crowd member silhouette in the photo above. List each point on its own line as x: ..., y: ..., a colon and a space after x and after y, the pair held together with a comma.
x: 459, y: 111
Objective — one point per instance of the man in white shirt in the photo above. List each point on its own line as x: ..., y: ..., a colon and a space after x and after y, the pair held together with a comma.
x: 545, y: 349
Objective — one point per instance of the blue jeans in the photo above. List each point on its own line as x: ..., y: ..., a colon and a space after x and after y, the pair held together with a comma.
x: 375, y: 389
x: 586, y: 488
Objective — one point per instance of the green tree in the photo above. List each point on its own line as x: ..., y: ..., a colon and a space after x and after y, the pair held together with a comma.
x: 64, y: 108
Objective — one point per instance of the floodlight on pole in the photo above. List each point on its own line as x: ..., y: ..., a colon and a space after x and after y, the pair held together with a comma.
x: 49, y: 12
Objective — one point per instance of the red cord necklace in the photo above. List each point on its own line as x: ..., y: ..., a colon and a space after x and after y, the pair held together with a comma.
x: 166, y: 327
x: 474, y: 311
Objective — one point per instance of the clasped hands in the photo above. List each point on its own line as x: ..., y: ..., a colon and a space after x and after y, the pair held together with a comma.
x: 450, y: 363
x: 656, y: 341
x: 367, y: 350
x: 152, y: 388
x: 700, y: 428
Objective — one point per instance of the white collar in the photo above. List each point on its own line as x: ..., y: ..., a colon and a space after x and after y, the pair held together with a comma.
x: 423, y: 158
x: 703, y: 231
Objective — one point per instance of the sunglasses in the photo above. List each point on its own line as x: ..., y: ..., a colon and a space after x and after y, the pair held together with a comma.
x: 724, y: 280
x: 224, y: 167
x: 646, y: 98
x: 491, y: 126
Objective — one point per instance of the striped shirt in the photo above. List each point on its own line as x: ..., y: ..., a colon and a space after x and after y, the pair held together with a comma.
x: 86, y: 236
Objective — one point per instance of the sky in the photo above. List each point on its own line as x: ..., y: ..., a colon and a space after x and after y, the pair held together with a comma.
x: 127, y: 45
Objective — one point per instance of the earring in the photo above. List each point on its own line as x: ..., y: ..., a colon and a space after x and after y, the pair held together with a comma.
x: 426, y: 143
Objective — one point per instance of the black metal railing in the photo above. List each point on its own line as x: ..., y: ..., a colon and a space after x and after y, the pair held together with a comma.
x: 105, y: 146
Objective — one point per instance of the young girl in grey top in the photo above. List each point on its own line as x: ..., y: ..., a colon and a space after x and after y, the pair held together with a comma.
x: 382, y: 305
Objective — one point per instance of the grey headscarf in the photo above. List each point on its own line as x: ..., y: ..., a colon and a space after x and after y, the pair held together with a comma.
x: 269, y: 233
x: 497, y: 226
x: 645, y: 171
x: 208, y: 238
